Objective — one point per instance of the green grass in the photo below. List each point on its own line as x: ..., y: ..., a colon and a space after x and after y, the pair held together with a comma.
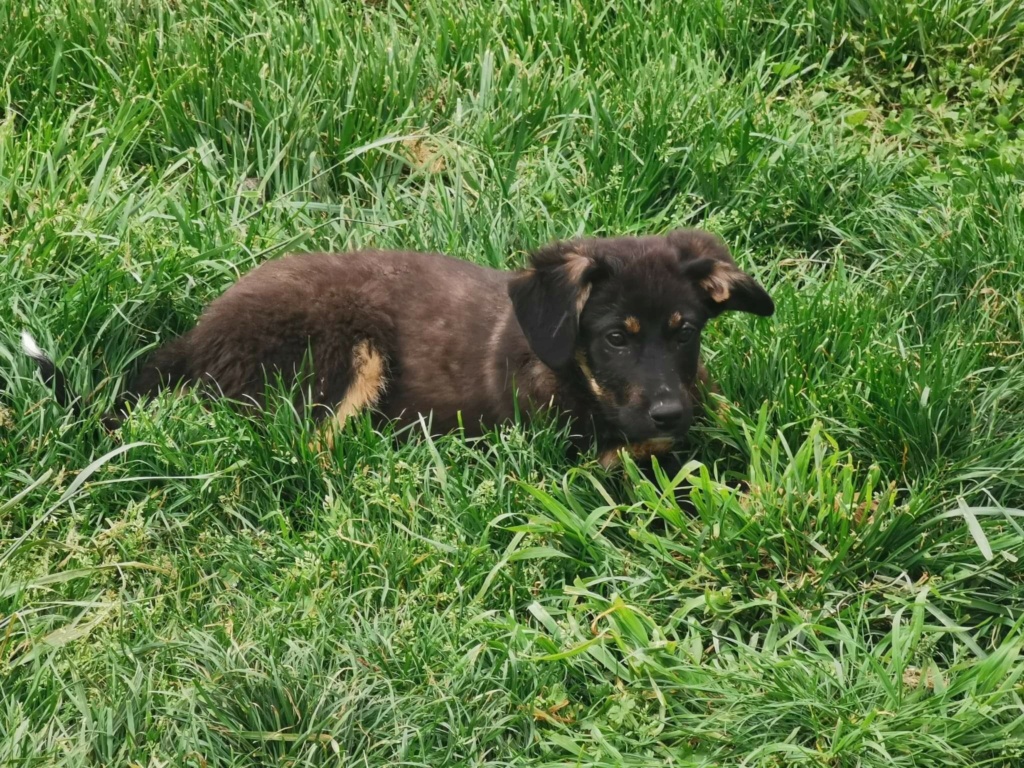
x: 204, y: 590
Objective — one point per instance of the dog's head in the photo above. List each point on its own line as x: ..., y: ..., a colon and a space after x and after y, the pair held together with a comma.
x: 624, y: 316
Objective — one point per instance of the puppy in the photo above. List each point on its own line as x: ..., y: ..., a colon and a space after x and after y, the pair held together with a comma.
x: 606, y: 330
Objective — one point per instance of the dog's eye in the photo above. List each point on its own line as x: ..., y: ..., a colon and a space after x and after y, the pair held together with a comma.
x: 616, y: 338
x: 685, y: 334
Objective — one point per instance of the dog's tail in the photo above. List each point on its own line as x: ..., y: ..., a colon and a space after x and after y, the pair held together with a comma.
x: 52, y: 376
x: 166, y: 367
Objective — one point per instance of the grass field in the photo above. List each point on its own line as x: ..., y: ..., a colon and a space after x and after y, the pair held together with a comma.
x: 203, y: 590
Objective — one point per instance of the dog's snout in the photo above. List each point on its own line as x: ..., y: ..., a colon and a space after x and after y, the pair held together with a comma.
x: 666, y: 413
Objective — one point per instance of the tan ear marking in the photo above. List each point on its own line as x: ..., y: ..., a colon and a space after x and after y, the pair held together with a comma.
x: 581, y: 299
x: 576, y: 265
x: 719, y: 283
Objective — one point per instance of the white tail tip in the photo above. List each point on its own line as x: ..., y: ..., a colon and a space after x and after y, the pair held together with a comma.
x: 28, y: 344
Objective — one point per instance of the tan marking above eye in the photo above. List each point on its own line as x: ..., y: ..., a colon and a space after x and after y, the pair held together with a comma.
x: 632, y: 324
x: 675, y: 320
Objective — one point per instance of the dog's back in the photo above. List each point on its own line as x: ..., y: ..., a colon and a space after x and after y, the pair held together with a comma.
x: 395, y: 331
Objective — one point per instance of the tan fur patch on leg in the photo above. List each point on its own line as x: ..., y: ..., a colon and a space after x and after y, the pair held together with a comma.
x: 639, y: 451
x: 645, y: 450
x: 363, y: 392
x: 541, y: 382
x: 367, y: 381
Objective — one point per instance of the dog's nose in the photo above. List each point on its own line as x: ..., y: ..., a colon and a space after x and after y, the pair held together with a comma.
x: 666, y: 414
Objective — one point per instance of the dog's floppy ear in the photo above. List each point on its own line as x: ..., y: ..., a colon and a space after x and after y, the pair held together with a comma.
x: 548, y: 299
x: 705, y: 258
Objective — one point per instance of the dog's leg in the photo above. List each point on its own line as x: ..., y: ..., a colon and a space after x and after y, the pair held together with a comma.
x: 350, y: 386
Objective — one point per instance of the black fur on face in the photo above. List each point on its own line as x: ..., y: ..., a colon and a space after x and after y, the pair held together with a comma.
x: 624, y: 316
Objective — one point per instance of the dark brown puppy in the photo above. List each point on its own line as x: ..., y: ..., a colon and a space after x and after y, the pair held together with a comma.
x: 606, y: 330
